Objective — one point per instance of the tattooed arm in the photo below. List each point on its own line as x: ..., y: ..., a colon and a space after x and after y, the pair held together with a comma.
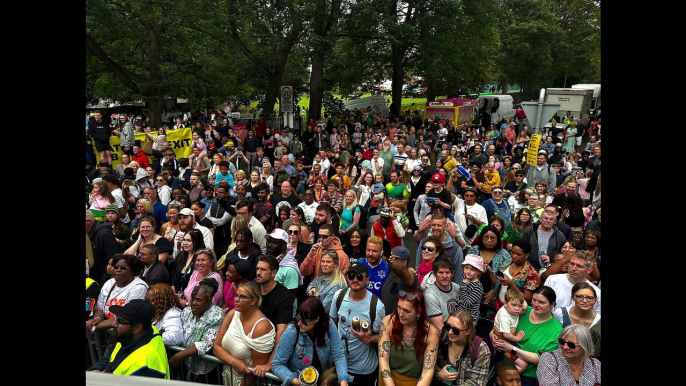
x: 429, y: 357
x: 385, y: 350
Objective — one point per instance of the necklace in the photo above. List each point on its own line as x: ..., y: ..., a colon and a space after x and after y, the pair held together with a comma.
x: 574, y: 368
x: 408, y: 338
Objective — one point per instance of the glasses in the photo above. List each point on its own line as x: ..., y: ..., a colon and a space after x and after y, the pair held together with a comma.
x: 590, y: 237
x: 119, y: 267
x: 497, y: 192
x: 159, y: 180
x: 241, y: 298
x: 430, y: 249
x: 119, y: 321
x: 305, y: 322
x: 563, y: 342
x: 324, y: 237
x: 582, y: 298
x: 352, y: 276
x: 308, y: 194
x: 487, y: 237
x: 293, y: 232
x: 454, y: 330
x: 406, y: 295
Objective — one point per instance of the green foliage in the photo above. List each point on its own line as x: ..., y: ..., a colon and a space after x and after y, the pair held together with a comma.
x: 333, y: 106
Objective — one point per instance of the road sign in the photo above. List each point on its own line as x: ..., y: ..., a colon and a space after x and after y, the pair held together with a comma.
x: 531, y: 109
x: 286, y: 105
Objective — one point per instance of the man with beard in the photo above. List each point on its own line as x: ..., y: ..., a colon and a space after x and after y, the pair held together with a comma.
x: 378, y: 268
x: 221, y: 213
x: 186, y: 223
x: 289, y: 271
x: 363, y: 361
x: 264, y: 210
x: 277, y: 303
x: 326, y: 240
x: 139, y: 350
x: 389, y: 228
x: 325, y: 214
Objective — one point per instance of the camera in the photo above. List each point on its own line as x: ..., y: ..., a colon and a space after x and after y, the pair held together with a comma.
x: 431, y: 200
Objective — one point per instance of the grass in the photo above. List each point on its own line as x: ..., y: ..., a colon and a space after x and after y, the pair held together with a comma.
x: 305, y: 102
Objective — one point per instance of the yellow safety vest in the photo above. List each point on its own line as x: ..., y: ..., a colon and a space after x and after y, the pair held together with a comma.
x: 152, y: 355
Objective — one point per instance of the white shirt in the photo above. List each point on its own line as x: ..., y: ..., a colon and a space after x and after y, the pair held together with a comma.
x: 378, y: 161
x: 563, y: 289
x: 258, y: 233
x: 119, y: 198
x: 309, y: 210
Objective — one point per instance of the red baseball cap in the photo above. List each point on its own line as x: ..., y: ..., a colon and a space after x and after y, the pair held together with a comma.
x: 438, y: 177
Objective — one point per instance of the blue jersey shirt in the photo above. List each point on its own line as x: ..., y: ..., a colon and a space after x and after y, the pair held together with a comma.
x: 377, y: 276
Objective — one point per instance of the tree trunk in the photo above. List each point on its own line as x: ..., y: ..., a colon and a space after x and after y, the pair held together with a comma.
x: 503, y: 86
x: 397, y: 57
x: 317, y: 83
x: 155, y: 105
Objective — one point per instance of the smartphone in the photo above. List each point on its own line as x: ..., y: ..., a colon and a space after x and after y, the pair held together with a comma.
x: 499, y: 274
x: 129, y: 182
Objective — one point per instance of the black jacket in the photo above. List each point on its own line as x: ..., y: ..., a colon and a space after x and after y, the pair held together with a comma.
x: 104, y: 247
x: 255, y: 252
x: 557, y: 240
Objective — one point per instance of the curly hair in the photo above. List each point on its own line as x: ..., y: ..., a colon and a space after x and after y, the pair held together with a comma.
x: 163, y: 299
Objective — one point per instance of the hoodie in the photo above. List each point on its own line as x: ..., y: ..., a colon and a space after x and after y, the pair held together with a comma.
x: 255, y: 253
x: 104, y: 247
x: 310, y: 266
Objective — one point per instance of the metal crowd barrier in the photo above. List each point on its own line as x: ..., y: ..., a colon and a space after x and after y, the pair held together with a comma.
x: 97, y: 344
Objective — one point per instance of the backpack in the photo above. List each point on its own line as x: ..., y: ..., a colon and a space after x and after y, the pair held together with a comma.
x: 372, y: 304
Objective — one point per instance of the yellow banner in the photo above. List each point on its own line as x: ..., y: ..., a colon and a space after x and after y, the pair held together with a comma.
x: 411, y: 109
x: 179, y: 141
x: 532, y: 153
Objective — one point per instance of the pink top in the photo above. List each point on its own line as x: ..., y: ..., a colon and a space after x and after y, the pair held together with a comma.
x: 200, y: 144
x: 582, y: 189
x: 193, y: 282
x: 98, y: 202
x: 230, y: 293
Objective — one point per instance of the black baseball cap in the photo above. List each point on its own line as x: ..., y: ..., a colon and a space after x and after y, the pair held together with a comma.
x: 136, y: 310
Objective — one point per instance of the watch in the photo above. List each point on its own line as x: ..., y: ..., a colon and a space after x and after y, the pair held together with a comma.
x: 513, y: 351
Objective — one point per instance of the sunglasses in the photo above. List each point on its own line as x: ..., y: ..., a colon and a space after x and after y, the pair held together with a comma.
x: 119, y: 267
x: 454, y: 330
x: 430, y: 249
x: 406, y: 295
x: 160, y: 180
x: 352, y: 276
x: 305, y: 322
x: 293, y: 232
x: 563, y: 342
x: 324, y: 236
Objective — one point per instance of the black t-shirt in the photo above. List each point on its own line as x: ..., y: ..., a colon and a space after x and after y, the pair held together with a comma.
x: 512, y: 186
x: 444, y: 196
x: 277, y: 305
x: 279, y: 200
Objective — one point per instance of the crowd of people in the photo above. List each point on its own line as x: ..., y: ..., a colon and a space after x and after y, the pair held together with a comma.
x: 279, y: 252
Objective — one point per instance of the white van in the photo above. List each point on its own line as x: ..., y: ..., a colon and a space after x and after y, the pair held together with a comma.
x: 495, y: 108
x: 378, y: 103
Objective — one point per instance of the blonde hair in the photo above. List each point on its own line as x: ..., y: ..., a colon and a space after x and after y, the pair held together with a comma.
x: 337, y: 274
x: 353, y: 205
x: 238, y: 223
